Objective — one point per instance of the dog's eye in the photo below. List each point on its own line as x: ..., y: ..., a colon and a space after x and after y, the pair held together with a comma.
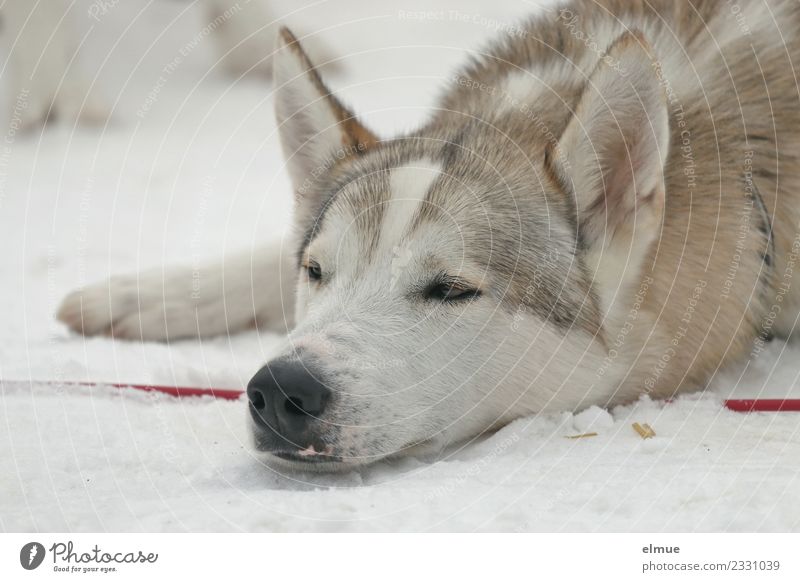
x: 314, y: 271
x: 451, y: 292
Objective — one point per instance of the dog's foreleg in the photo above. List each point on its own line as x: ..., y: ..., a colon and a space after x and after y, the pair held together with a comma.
x: 242, y: 291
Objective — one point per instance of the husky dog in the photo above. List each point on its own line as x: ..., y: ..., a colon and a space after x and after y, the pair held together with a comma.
x: 603, y: 205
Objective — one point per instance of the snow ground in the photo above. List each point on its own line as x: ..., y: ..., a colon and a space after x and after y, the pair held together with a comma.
x: 200, y: 172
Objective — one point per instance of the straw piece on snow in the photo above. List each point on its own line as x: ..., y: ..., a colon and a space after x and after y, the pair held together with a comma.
x: 581, y: 436
x: 645, y: 430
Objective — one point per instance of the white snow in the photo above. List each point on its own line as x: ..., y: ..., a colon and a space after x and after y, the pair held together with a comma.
x: 592, y: 419
x: 200, y: 173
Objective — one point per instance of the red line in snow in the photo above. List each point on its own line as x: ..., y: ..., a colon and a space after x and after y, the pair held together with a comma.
x: 177, y: 391
x: 764, y: 405
x: 739, y: 405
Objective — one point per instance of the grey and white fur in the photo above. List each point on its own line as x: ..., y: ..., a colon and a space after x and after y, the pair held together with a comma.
x: 603, y: 204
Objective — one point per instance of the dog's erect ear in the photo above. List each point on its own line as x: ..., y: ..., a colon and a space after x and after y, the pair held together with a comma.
x: 613, y: 150
x: 316, y: 130
x: 611, y: 156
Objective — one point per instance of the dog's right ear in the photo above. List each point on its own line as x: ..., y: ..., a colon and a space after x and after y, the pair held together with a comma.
x: 612, y: 158
x: 316, y: 130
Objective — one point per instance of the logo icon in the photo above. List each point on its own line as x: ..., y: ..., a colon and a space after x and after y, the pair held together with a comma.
x: 31, y: 555
x: 401, y: 257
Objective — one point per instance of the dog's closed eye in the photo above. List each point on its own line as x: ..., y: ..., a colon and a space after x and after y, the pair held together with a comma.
x: 450, y: 289
x: 313, y: 270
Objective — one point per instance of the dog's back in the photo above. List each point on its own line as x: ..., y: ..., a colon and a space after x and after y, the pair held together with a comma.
x: 723, y: 265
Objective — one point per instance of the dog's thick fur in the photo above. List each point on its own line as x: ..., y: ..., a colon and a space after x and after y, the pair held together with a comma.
x: 612, y: 188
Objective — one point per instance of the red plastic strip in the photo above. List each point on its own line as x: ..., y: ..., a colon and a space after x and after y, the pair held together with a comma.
x: 764, y: 405
x: 177, y: 391
x: 739, y: 405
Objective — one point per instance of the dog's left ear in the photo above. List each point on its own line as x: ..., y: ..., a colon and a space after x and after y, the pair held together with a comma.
x: 316, y: 130
x: 611, y: 157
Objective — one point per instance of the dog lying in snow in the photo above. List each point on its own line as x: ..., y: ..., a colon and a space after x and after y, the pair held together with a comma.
x: 602, y: 206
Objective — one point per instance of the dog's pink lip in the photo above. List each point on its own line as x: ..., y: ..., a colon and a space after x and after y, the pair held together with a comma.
x: 308, y: 452
x: 309, y: 455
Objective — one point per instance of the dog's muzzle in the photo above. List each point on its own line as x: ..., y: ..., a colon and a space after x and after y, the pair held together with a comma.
x: 287, y: 399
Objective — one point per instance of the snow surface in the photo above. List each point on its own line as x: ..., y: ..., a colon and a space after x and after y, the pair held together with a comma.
x: 199, y: 173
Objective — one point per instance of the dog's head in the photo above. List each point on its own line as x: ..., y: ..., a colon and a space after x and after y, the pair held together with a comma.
x: 456, y: 278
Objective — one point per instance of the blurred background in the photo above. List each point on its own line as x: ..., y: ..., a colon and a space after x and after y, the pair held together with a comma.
x: 136, y: 134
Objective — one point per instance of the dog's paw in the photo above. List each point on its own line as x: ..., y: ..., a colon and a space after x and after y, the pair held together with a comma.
x: 240, y: 292
x: 143, y: 307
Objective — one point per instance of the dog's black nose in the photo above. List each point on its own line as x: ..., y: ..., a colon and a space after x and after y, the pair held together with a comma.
x: 285, y: 396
